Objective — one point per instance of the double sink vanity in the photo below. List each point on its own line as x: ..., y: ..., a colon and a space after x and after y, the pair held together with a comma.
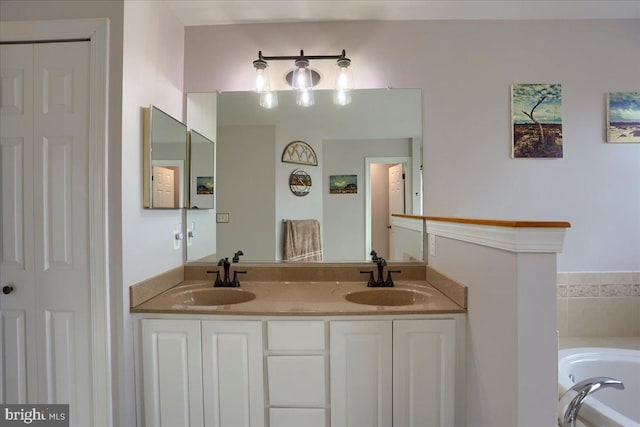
x: 298, y: 345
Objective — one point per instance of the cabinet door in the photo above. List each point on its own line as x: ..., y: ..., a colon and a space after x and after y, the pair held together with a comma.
x: 172, y: 372
x: 423, y: 373
x: 361, y: 373
x: 233, y: 373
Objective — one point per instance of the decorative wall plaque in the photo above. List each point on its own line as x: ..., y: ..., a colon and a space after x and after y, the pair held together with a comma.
x: 300, y: 153
x: 299, y: 182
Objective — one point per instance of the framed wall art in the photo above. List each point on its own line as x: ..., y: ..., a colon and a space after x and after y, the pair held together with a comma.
x: 300, y: 153
x: 536, y: 111
x: 623, y: 117
x: 343, y: 184
x: 204, y: 185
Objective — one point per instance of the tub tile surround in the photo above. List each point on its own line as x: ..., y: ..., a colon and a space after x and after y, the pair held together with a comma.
x: 599, y: 304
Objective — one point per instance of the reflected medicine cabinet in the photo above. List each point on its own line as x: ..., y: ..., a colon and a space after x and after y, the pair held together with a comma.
x: 165, y: 165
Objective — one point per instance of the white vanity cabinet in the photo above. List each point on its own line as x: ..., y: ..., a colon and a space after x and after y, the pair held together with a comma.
x: 394, y: 370
x: 202, y: 373
x: 172, y: 372
x: 397, y: 373
x: 297, y: 371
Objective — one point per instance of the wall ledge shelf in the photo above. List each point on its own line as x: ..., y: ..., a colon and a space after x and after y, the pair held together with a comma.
x: 509, y: 235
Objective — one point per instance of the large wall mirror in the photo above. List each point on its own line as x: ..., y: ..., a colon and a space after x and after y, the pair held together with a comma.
x: 165, y: 160
x: 380, y: 131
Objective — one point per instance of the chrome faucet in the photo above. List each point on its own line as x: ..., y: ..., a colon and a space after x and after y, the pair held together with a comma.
x: 567, y: 417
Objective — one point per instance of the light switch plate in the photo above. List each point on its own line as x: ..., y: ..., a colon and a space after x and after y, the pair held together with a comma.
x: 177, y: 237
x: 222, y: 217
x: 190, y: 233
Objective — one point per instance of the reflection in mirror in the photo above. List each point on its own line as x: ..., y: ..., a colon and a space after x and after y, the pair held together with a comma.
x: 201, y: 223
x: 165, y: 158
x: 201, y: 165
x: 376, y: 138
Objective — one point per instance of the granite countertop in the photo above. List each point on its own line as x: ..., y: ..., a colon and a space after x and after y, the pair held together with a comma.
x: 305, y: 298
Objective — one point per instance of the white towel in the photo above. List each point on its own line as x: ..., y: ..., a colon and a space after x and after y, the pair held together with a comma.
x: 302, y: 240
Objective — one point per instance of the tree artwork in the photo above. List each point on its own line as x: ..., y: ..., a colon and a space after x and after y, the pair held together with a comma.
x: 537, y: 120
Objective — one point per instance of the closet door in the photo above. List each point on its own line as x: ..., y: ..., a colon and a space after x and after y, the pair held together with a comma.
x: 17, y: 266
x: 45, y: 222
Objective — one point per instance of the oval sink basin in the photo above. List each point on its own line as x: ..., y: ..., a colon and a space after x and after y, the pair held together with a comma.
x: 211, y: 296
x: 387, y: 297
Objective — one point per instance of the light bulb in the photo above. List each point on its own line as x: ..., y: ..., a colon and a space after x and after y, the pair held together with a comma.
x: 268, y: 100
x: 261, y: 81
x: 344, y: 83
x: 304, y: 98
x: 342, y: 97
x: 301, y: 79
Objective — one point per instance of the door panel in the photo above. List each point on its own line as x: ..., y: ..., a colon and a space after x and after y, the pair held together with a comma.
x: 396, y: 202
x: 44, y: 146
x: 13, y: 371
x: 18, y: 359
x: 61, y: 136
x: 232, y: 373
x: 423, y: 372
x: 172, y: 372
x: 57, y: 211
x: 163, y: 187
x: 361, y: 373
x: 12, y: 155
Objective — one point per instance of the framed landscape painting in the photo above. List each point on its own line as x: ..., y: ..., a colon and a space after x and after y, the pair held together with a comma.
x: 623, y: 117
x: 343, y: 184
x: 536, y: 111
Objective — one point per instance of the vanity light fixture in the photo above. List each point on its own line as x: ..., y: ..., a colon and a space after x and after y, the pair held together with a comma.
x: 303, y: 79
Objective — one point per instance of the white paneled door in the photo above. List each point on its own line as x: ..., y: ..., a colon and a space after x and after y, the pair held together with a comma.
x: 45, y: 319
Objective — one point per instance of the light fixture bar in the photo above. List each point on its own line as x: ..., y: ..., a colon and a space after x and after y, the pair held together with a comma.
x: 303, y: 79
x: 301, y: 56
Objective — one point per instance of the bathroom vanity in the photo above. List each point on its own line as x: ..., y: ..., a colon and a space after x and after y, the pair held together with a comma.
x: 293, y: 349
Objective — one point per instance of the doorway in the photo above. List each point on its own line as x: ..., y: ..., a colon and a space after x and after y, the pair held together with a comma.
x: 387, y: 191
x: 55, y: 202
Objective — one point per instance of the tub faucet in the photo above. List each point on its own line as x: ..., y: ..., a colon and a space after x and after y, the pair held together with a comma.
x: 583, y: 389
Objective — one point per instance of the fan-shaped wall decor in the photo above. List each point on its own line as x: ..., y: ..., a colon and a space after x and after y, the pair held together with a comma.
x: 300, y: 153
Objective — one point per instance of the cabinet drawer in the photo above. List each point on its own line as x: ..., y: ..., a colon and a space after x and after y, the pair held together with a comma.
x: 296, y: 380
x: 295, y: 335
x: 296, y: 417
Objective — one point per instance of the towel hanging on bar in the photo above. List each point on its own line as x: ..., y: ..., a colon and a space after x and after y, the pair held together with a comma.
x: 302, y: 241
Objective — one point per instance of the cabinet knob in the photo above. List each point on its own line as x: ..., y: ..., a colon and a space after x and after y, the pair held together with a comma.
x: 7, y: 289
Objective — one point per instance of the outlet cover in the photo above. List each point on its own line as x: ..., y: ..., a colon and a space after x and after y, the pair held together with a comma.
x: 222, y: 217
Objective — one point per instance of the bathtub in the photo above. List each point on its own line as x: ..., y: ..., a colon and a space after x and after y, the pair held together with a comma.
x: 606, y: 407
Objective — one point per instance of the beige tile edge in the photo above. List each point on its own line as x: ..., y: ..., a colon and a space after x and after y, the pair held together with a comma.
x: 454, y: 290
x: 147, y: 289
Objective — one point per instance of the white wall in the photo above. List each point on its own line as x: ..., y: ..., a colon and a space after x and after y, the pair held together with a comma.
x: 465, y: 69
x: 152, y: 73
x: 344, y: 214
x: 247, y: 194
